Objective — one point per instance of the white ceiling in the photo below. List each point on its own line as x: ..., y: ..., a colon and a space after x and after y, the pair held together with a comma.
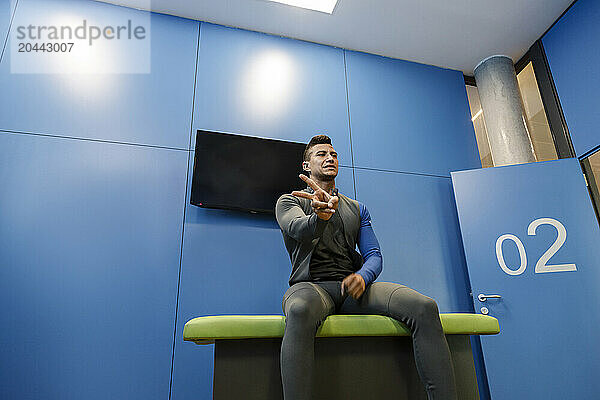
x: 454, y: 34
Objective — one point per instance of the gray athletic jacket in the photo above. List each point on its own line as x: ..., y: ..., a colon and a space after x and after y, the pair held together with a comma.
x: 302, y: 229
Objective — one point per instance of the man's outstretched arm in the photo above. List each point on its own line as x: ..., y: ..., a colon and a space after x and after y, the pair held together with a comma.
x: 295, y: 223
x: 292, y: 219
x: 369, y: 248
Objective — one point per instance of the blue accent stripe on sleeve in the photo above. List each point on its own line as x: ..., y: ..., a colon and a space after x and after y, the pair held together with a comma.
x: 368, y: 247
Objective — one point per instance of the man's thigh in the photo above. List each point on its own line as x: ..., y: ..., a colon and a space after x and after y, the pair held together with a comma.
x: 309, y: 294
x: 377, y: 298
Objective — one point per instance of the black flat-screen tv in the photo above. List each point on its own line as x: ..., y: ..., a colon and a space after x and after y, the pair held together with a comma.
x: 244, y: 173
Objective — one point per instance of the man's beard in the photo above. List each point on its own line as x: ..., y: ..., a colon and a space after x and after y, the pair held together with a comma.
x: 325, y: 178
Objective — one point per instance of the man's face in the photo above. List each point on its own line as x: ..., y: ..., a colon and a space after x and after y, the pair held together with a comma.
x: 323, y: 163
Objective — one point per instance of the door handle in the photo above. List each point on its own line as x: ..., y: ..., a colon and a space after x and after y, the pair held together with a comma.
x: 484, y: 297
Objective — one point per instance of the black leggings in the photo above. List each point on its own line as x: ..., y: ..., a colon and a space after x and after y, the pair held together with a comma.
x: 307, y: 304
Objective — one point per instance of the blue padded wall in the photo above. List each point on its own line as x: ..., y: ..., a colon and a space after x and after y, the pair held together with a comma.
x: 573, y: 53
x: 93, y: 290
x: 409, y: 117
x: 92, y: 231
x: 150, y: 108
x: 90, y: 251
x: 415, y: 220
x: 267, y: 86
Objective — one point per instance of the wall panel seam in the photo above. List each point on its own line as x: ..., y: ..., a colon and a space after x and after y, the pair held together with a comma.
x: 402, y: 172
x: 187, y: 173
x: 349, y: 122
x: 14, y: 12
x: 92, y: 140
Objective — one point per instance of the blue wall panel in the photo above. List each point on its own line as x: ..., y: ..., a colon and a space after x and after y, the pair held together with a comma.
x: 573, y: 53
x: 233, y: 263
x: 85, y: 293
x: 415, y: 220
x: 150, y: 108
x: 261, y: 85
x: 409, y: 117
x: 90, y: 251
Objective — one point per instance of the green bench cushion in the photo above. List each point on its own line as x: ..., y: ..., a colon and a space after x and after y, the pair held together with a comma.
x: 205, y: 330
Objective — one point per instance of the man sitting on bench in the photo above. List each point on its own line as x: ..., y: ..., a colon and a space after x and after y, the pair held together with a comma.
x: 321, y: 229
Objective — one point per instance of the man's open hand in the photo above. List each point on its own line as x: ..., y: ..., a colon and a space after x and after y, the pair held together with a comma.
x: 354, y: 285
x: 322, y: 202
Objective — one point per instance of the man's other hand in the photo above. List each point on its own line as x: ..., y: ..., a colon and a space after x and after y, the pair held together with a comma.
x: 354, y: 285
x: 322, y: 202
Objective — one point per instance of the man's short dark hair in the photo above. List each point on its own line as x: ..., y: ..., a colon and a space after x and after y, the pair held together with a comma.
x: 319, y: 139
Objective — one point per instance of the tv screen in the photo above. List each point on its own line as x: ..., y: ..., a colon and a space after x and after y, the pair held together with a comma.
x: 244, y: 173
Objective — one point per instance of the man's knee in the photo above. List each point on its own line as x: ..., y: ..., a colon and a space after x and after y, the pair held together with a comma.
x: 426, y: 307
x: 305, y: 306
x: 298, y: 309
x: 415, y: 305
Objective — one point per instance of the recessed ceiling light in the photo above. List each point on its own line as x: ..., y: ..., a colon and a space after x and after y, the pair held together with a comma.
x: 325, y: 6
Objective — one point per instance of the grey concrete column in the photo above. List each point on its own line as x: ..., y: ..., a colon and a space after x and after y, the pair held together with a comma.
x: 503, y: 111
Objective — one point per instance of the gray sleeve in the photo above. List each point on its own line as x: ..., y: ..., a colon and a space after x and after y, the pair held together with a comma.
x: 294, y: 222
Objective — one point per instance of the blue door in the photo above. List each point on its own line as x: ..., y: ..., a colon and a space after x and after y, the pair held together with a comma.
x: 531, y: 237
